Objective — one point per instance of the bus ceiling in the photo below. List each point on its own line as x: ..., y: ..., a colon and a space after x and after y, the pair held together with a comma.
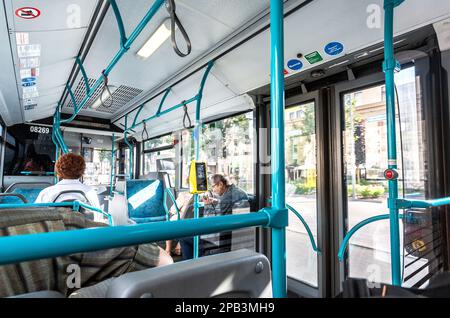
x: 45, y: 41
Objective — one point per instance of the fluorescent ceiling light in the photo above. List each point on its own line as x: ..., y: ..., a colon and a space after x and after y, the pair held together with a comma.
x: 104, y: 96
x: 155, y: 41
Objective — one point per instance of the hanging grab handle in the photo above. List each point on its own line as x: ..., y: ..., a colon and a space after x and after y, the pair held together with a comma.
x: 175, y: 22
x: 186, y: 116
x: 145, y: 131
x: 106, y: 88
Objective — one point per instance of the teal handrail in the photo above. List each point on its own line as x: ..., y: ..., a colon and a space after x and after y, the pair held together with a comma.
x: 124, y: 47
x: 83, y: 73
x: 75, y: 205
x: 390, y: 65
x: 197, y: 98
x: 423, y: 204
x: 172, y: 198
x: 356, y: 228
x: 47, y: 173
x: 21, y: 248
x: 308, y: 229
x: 113, y: 164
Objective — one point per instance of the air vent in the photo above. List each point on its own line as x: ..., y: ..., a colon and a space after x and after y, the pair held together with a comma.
x: 121, y: 96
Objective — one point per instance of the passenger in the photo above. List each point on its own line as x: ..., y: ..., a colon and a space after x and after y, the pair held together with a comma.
x: 32, y: 162
x: 58, y: 274
x: 225, y: 197
x: 69, y: 168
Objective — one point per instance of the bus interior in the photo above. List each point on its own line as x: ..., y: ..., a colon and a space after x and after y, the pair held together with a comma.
x: 329, y: 117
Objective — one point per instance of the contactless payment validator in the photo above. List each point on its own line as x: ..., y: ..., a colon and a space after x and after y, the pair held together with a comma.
x: 198, y: 179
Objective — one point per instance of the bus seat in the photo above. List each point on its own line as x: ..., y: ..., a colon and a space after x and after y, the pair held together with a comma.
x: 41, y: 294
x: 142, y: 202
x: 165, y: 179
x: 237, y: 274
x: 145, y: 200
x: 30, y: 194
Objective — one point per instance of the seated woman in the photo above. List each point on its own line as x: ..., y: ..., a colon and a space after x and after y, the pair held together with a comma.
x: 69, y: 168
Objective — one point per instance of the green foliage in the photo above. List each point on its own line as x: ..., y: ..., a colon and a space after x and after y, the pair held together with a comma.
x: 303, y: 189
x: 367, y: 191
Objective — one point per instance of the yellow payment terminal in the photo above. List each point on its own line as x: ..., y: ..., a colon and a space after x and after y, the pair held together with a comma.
x: 198, y: 179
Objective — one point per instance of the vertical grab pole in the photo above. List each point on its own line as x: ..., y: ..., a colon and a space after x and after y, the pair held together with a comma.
x: 389, y: 66
x: 113, y: 161
x: 197, y: 147
x: 277, y: 146
x: 130, y: 146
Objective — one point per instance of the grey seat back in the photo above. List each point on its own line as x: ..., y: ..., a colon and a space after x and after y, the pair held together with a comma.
x: 243, y: 274
x: 41, y: 294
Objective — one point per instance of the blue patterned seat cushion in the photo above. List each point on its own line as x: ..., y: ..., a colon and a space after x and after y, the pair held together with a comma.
x: 145, y: 200
x: 30, y: 194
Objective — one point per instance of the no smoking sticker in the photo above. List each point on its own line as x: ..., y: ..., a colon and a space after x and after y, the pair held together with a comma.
x: 28, y: 13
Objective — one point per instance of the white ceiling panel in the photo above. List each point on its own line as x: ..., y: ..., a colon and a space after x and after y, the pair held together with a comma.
x: 219, y: 18
x: 318, y: 24
x: 306, y: 31
x: 54, y: 14
x: 57, y: 32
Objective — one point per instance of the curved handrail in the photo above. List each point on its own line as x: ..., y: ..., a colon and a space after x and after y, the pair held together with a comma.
x: 172, y: 197
x: 308, y: 229
x: 356, y: 228
x: 89, y: 207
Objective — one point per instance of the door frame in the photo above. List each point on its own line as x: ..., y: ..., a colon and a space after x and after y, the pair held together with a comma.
x: 338, y: 204
x: 321, y: 119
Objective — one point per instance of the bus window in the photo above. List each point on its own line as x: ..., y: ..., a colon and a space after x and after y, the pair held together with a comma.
x: 159, y: 156
x: 301, y: 190
x: 29, y: 148
x: 227, y: 147
x: 98, y: 166
x: 365, y: 160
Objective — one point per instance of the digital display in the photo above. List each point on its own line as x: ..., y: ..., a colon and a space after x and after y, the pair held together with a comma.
x: 202, y: 184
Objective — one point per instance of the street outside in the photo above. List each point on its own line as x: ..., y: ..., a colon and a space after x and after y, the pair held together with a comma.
x: 369, y: 249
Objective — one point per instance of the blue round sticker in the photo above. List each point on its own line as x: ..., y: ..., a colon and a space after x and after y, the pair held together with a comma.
x: 334, y: 48
x: 295, y: 64
x: 28, y: 84
x: 29, y: 79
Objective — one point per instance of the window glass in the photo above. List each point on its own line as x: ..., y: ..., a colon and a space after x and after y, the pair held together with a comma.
x: 29, y: 149
x: 365, y: 150
x: 159, y: 142
x: 227, y: 147
x: 301, y: 191
x: 160, y: 161
x: 98, y: 166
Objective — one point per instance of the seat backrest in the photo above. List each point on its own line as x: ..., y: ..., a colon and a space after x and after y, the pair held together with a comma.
x: 30, y: 195
x: 242, y: 273
x: 145, y: 200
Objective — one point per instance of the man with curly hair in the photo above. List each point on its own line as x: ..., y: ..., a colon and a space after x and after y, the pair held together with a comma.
x: 69, y: 168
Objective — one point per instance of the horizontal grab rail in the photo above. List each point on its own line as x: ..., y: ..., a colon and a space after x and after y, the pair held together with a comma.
x: 21, y: 248
x: 356, y: 228
x: 423, y: 204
